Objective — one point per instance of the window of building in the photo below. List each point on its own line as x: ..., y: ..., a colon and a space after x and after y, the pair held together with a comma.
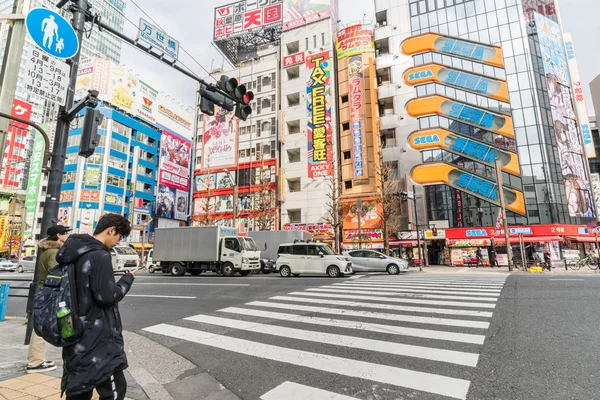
x: 114, y: 180
x: 293, y: 72
x: 346, y: 126
x: 74, y: 140
x: 69, y: 177
x: 293, y: 155
x: 345, y: 98
x: 293, y: 127
x: 314, y: 41
x: 243, y: 153
x: 322, y: 39
x: 347, y: 155
x: 265, y: 103
x: 306, y: 43
x: 293, y: 47
x: 295, y: 216
x: 119, y: 146
x: 121, y: 129
x: 294, y: 185
x: 293, y: 99
x: 116, y: 163
x: 245, y: 130
x: 348, y: 184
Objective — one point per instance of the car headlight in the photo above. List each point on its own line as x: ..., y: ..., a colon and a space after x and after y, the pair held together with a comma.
x: 342, y: 258
x: 244, y: 260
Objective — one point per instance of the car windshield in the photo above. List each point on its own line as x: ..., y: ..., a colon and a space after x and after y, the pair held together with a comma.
x: 126, y: 251
x: 249, y: 244
x: 326, y: 250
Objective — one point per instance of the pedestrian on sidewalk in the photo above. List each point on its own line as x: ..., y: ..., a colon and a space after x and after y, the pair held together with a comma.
x: 493, y: 258
x: 57, y: 235
x: 97, y: 360
x: 479, y: 257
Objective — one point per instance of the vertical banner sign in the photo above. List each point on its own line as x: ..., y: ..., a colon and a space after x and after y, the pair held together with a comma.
x: 318, y: 93
x: 174, y: 176
x: 564, y: 121
x: 220, y: 140
x: 33, y: 184
x: 580, y: 106
x: 459, y: 209
x: 134, y: 172
x: 595, y: 179
x: 3, y: 228
x: 357, y: 117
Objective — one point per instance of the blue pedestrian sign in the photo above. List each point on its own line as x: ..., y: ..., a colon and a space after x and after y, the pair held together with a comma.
x: 52, y: 33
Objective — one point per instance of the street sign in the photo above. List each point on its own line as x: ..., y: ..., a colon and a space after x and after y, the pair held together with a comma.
x: 157, y: 38
x: 47, y: 77
x: 52, y: 33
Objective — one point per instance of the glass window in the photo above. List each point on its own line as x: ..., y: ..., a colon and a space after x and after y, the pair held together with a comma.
x: 232, y: 244
x: 299, y: 250
x: 283, y: 250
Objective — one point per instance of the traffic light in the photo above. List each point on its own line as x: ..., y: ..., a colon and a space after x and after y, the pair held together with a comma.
x: 89, y: 132
x: 242, y: 96
x: 209, y: 97
x: 403, y: 196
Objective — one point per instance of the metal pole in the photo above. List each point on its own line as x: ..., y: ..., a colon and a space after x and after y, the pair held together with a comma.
x: 417, y: 224
x: 359, y: 215
x: 597, y: 251
x: 57, y: 163
x: 503, y: 211
x: 235, y: 203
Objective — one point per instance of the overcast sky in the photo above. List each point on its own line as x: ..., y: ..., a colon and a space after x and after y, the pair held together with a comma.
x: 191, y: 21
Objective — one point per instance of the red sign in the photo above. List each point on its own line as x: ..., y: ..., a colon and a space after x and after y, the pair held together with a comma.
x: 293, y: 59
x: 375, y: 235
x: 174, y: 169
x: 513, y: 231
x: 20, y: 109
x: 245, y: 16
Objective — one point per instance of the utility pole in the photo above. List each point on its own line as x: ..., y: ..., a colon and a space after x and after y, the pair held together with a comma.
x: 418, y: 229
x: 503, y: 211
x: 359, y: 215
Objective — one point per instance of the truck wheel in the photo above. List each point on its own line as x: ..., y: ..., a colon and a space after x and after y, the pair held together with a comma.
x: 333, y: 271
x: 195, y: 272
x: 244, y: 273
x: 151, y: 269
x: 227, y: 270
x: 285, y: 271
x: 177, y: 269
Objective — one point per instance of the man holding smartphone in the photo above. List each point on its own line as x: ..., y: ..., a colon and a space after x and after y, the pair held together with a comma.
x: 97, y: 360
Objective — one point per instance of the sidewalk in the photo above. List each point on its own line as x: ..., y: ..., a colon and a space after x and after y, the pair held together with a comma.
x: 444, y: 269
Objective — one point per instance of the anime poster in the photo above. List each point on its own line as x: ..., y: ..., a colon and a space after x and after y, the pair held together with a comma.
x: 175, y: 153
x: 181, y: 205
x: 205, y: 182
x: 220, y: 140
x: 165, y: 202
x: 64, y: 216
x: 86, y: 222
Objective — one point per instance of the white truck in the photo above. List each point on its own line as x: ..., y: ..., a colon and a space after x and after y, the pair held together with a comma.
x: 268, y: 243
x: 195, y: 249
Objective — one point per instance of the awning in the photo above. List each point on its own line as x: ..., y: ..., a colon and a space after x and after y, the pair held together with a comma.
x: 404, y: 243
x: 530, y: 239
x: 582, y: 239
x: 138, y: 246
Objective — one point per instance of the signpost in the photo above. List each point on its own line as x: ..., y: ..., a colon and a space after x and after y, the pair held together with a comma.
x: 52, y: 33
x: 47, y: 77
x: 157, y: 38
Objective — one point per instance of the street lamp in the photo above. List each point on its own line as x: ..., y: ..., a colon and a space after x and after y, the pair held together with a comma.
x: 235, y: 197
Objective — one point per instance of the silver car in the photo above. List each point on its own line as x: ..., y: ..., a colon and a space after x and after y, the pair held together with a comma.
x: 26, y: 264
x: 7, y: 265
x: 374, y: 261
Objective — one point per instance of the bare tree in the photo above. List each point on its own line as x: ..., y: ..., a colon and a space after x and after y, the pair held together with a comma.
x: 206, y: 214
x: 335, y: 209
x: 390, y: 210
x: 265, y: 201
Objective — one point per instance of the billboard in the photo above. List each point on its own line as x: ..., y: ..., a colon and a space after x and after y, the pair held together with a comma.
x: 318, y: 104
x: 564, y: 121
x: 580, y: 106
x: 357, y: 117
x: 494, y: 88
x: 33, y: 183
x: 297, y: 13
x: 354, y: 40
x: 246, y: 16
x: 293, y: 59
x: 442, y: 173
x: 426, y: 42
x: 220, y: 140
x: 173, y: 176
x: 173, y: 116
x: 544, y: 7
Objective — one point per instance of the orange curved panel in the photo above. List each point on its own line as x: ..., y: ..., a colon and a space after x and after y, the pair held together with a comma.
x: 494, y: 88
x: 473, y: 149
x: 440, y: 105
x: 479, y: 52
x: 442, y: 173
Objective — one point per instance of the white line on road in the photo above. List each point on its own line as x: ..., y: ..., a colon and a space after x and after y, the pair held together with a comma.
x: 566, y: 279
x: 426, y: 382
x: 294, y: 391
x: 429, y: 285
x: 440, y: 282
x: 401, y: 300
x: 161, y: 297
x: 375, y: 315
x: 380, y: 346
x: 447, y: 311
x: 362, y: 326
x: 411, y: 290
x: 191, y: 284
x: 412, y: 295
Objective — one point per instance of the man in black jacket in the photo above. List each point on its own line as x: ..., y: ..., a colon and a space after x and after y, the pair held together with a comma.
x: 97, y: 360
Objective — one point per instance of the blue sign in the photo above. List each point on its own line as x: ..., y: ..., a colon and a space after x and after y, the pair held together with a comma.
x: 468, y: 81
x: 52, y: 33
x: 478, y: 186
x: 520, y: 231
x: 420, y: 75
x: 474, y: 149
x: 472, y: 115
x: 476, y: 232
x: 427, y: 139
x: 464, y: 49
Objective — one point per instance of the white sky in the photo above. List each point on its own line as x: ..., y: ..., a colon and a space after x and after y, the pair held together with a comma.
x: 191, y: 21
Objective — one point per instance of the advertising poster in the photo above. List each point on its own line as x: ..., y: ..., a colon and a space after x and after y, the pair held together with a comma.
x: 318, y: 102
x: 145, y: 104
x: 123, y: 88
x: 224, y: 204
x: 206, y: 182
x: 165, y: 202
x: 220, y: 140
x: 181, y: 205
x: 174, y: 165
x: 86, y: 223
x: 357, y: 117
x: 370, y: 216
x: 3, y: 229
x: 298, y: 13
x: 173, y: 116
x: 354, y: 40
x: 113, y: 199
x: 544, y: 7
x: 64, y: 216
x: 245, y: 16
x: 33, y: 183
x: 91, y: 176
x: 568, y: 137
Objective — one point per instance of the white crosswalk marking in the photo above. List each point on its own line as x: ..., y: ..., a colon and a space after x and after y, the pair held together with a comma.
x: 438, y: 324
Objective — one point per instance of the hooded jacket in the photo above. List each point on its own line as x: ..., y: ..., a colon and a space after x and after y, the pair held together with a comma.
x: 100, y: 352
x: 49, y: 249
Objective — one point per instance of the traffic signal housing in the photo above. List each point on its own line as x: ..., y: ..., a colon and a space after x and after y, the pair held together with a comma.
x: 209, y: 97
x: 89, y: 132
x: 243, y: 97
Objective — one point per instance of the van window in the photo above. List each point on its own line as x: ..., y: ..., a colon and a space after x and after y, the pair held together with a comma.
x: 299, y: 250
x: 232, y: 244
x: 125, y: 251
x: 284, y: 250
x: 312, y: 251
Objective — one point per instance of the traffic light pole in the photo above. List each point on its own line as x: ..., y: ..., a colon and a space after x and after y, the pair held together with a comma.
x: 418, y: 229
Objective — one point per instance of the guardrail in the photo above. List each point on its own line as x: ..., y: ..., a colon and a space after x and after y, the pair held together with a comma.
x: 25, y: 288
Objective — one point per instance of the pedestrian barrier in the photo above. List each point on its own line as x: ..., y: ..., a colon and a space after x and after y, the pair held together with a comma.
x: 3, y: 299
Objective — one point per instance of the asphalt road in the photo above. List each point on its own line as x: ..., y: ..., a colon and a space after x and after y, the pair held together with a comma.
x: 416, y: 336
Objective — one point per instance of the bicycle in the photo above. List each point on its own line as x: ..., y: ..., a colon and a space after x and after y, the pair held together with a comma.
x: 589, y: 262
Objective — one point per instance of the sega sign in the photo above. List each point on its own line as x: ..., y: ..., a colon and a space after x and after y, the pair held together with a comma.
x: 481, y: 187
x: 427, y: 139
x: 474, y: 149
x: 420, y: 75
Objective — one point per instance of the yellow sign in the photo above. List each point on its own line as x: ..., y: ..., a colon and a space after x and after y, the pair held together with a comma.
x: 494, y: 88
x: 442, y: 173
x: 440, y: 105
x: 473, y: 149
x: 485, y: 54
x: 3, y: 230
x: 353, y: 40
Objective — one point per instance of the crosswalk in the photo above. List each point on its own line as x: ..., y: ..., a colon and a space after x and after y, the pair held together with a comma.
x: 413, y: 336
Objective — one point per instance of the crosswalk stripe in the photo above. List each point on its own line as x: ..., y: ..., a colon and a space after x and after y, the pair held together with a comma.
x: 295, y: 391
x: 447, y: 311
x: 361, y: 326
x: 477, y: 288
x: 422, y: 381
x: 427, y: 353
x: 421, y: 296
x: 410, y: 290
x: 401, y: 300
x: 441, y: 282
x: 375, y: 315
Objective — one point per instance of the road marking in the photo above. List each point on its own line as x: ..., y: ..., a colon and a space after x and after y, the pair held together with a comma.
x: 294, y: 391
x: 566, y: 279
x: 420, y: 296
x: 422, y: 381
x: 161, y: 297
x: 402, y: 300
x: 409, y: 290
x: 362, y: 326
x: 191, y: 284
x: 470, y: 313
x: 474, y: 288
x: 426, y: 282
x: 427, y: 353
x: 375, y: 315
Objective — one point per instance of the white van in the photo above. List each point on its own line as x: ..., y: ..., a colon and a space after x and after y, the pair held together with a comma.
x: 124, y: 259
x: 152, y: 265
x: 311, y: 258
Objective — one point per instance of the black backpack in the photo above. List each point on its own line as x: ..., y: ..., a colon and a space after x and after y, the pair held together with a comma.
x: 59, y: 286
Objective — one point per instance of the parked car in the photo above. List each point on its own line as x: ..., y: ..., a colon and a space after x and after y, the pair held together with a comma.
x: 310, y: 258
x: 8, y: 265
x: 374, y: 261
x: 26, y: 264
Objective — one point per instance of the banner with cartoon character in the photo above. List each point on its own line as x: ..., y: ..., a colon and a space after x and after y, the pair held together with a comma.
x: 219, y: 140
